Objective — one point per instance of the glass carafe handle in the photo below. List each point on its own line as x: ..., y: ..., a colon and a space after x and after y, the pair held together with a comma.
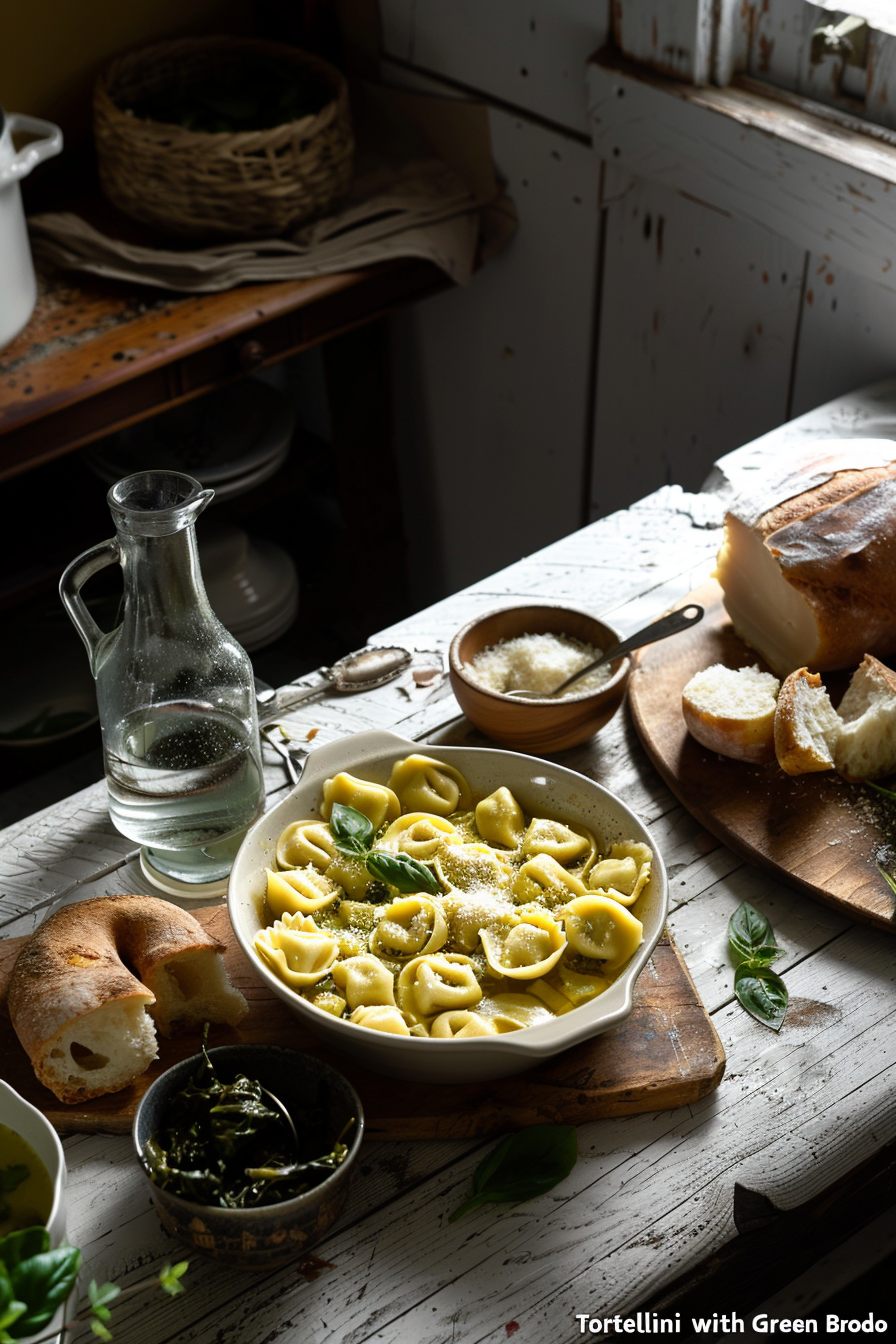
x: 70, y: 585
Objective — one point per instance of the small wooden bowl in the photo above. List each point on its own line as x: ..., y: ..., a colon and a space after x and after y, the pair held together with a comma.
x: 535, y: 725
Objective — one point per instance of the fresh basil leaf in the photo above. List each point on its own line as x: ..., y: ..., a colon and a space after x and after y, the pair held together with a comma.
x: 523, y: 1165
x: 765, y: 955
x: 352, y: 832
x: 10, y: 1307
x: 43, y: 1283
x: 407, y: 875
x: 763, y: 993
x: 748, y: 930
x: 22, y: 1245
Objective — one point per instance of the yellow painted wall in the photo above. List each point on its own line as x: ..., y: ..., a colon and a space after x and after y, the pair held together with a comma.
x: 52, y: 49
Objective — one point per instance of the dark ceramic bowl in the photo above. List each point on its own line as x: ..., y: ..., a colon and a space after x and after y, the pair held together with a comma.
x: 266, y: 1237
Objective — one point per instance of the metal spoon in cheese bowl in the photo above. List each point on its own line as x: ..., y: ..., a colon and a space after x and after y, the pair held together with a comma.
x: 672, y: 624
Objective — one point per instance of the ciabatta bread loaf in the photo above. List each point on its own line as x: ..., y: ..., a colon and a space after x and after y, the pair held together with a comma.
x: 732, y: 711
x: 79, y: 1009
x: 806, y: 725
x: 808, y: 563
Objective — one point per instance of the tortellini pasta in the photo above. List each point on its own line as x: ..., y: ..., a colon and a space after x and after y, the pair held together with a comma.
x: 297, y: 950
x: 364, y: 981
x: 306, y: 842
x: 500, y: 820
x: 528, y: 950
x: 624, y: 873
x: 517, y: 919
x: 599, y: 927
x: 301, y: 891
x: 410, y: 926
x: 419, y: 834
x: 425, y: 785
x: 377, y: 803
x: 432, y: 984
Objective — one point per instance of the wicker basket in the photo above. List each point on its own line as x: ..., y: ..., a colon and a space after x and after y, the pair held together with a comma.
x: 247, y: 184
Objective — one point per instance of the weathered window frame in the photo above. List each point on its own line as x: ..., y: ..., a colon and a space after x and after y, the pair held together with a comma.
x: 669, y: 102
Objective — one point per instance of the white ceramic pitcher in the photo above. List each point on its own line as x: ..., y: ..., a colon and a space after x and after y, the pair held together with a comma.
x: 18, y: 286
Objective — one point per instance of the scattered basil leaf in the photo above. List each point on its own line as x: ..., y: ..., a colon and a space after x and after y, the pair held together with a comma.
x: 43, y: 1282
x: 170, y: 1277
x: 352, y: 832
x: 748, y: 931
x: 758, y: 988
x: 762, y: 992
x: 523, y: 1165
x: 407, y: 875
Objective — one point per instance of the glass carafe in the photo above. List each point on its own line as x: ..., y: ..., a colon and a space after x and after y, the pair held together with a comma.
x: 174, y: 689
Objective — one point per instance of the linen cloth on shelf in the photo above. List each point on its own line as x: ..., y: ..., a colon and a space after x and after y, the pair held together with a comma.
x: 404, y: 202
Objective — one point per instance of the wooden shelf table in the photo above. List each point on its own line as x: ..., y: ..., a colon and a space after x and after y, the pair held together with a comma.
x: 98, y: 355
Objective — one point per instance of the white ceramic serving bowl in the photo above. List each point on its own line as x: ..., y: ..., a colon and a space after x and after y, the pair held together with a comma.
x: 541, y: 787
x: 35, y: 1129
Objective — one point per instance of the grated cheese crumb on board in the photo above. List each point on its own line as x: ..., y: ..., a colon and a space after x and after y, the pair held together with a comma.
x: 537, y: 663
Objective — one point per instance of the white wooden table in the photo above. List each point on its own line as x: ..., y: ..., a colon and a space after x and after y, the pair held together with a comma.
x: 714, y: 1206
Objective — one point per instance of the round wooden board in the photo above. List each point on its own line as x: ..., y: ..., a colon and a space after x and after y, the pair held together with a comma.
x: 817, y: 832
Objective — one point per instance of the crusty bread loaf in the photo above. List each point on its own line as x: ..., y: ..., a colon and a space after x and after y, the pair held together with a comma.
x: 809, y: 575
x: 79, y: 1009
x: 806, y: 725
x: 732, y: 711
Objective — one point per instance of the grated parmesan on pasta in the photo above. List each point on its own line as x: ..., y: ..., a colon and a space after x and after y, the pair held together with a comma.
x: 537, y: 663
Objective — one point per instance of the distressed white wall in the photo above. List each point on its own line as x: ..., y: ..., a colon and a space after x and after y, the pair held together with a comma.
x: 640, y: 352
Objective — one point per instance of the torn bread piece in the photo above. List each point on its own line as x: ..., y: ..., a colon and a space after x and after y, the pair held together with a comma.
x: 865, y: 747
x: 806, y: 725
x: 93, y: 982
x: 732, y: 711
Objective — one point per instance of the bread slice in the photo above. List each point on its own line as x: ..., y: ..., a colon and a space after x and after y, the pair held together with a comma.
x: 732, y: 711
x: 865, y: 747
x: 806, y: 725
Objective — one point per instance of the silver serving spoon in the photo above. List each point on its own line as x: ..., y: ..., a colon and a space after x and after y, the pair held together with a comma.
x: 362, y: 670
x: 672, y: 624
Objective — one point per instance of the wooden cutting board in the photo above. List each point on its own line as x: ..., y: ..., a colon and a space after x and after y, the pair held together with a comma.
x: 664, y: 1055
x: 816, y: 832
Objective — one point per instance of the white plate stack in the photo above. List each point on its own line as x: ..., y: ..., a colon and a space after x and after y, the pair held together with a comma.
x: 251, y: 583
x: 230, y: 439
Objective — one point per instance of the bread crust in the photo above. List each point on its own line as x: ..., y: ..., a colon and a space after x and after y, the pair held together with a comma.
x: 835, y: 545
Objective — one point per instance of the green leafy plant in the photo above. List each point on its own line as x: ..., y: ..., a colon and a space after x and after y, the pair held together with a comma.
x: 353, y: 835
x: 36, y: 1280
x: 758, y: 988
x: 523, y: 1165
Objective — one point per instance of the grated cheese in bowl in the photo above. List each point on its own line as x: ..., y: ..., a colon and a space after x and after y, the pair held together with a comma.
x: 537, y: 663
